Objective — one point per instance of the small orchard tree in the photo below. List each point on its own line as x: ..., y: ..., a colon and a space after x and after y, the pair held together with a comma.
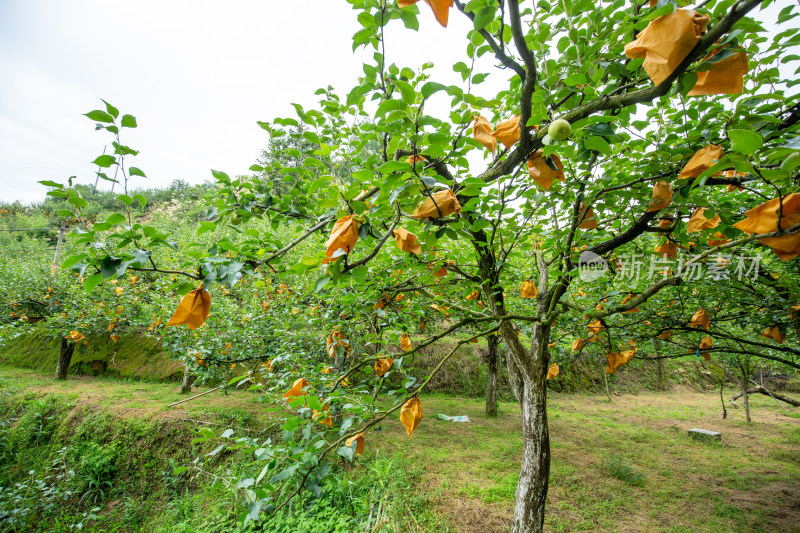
x: 618, y: 129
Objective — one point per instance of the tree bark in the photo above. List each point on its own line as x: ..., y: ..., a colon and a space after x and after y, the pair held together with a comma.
x: 514, y: 379
x: 743, y: 385
x: 491, y: 378
x: 660, y: 365
x: 722, y: 399
x: 186, y: 386
x: 64, y: 358
x: 534, y: 475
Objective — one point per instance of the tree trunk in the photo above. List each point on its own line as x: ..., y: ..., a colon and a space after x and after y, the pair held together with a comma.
x: 660, y: 366
x: 743, y: 385
x: 491, y: 378
x: 531, y: 365
x: 64, y: 358
x: 534, y: 475
x: 514, y: 379
x: 186, y: 386
x: 722, y: 399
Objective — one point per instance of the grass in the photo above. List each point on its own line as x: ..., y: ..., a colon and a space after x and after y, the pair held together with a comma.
x: 627, y: 465
x: 133, y: 356
x: 141, y: 399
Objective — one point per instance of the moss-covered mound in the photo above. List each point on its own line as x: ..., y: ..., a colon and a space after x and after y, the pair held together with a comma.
x: 133, y: 356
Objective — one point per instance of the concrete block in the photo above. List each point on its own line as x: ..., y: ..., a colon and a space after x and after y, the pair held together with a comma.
x: 705, y: 435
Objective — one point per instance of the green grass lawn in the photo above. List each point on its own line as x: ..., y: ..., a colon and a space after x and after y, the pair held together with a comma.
x: 625, y: 465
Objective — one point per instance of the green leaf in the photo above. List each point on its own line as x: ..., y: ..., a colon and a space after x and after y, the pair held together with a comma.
x: 141, y: 199
x: 462, y: 69
x: 347, y: 452
x: 432, y: 87
x: 105, y: 161
x: 128, y: 121
x: 314, y: 403
x: 99, y: 116
x: 363, y: 36
x: 115, y: 218
x: 48, y: 183
x: 216, y: 450
x: 92, y: 282
x: 665, y: 9
x: 478, y: 78
x: 78, y: 202
x: 233, y: 381
x: 791, y: 162
x: 395, y: 193
x: 393, y: 166
x: 363, y: 175
x: 407, y: 92
x: 220, y: 176
x: 314, y: 187
x: 352, y: 192
x: 109, y: 266
x: 206, y: 226
x: 575, y: 79
x: 390, y: 105
x: 409, y: 19
x: 143, y: 256
x: 686, y: 82
x: 113, y: 111
x: 125, y: 199
x: 598, y: 144
x: 134, y: 171
x: 321, y: 282
x: 484, y: 17
x: 73, y: 260
x: 360, y: 274
x: 745, y: 142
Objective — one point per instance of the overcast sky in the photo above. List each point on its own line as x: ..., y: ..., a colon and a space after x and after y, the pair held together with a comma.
x: 196, y: 74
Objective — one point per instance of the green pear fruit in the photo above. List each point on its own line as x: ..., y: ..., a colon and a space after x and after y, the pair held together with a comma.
x: 559, y: 130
